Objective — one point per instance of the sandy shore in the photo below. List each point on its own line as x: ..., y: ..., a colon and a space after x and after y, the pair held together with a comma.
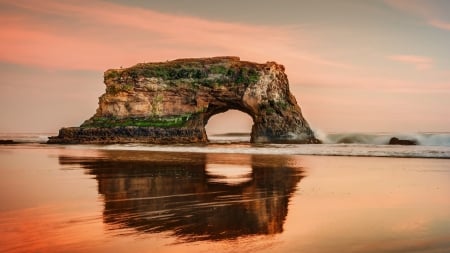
x: 58, y: 198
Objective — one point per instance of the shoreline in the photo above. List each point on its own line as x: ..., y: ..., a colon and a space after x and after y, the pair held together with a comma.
x: 343, y: 150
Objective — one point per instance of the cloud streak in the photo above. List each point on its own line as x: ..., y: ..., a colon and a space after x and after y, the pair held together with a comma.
x: 111, y: 35
x: 440, y: 24
x: 420, y: 62
x: 430, y: 11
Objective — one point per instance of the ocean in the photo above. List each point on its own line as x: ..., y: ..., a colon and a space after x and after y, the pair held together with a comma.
x: 353, y: 193
x: 429, y: 145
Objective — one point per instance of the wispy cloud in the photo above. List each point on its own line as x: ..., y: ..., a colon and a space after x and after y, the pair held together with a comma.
x: 420, y: 62
x: 431, y: 11
x: 114, y: 34
x: 440, y: 24
x: 98, y: 35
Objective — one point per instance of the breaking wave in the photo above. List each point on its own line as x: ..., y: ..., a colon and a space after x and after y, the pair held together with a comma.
x: 423, y: 139
x: 430, y: 145
x: 26, y: 137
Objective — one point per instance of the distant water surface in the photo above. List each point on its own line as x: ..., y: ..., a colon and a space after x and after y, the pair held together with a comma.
x: 134, y: 198
x: 429, y: 145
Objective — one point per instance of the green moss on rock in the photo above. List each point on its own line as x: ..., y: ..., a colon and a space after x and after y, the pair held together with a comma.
x: 167, y: 121
x: 208, y: 73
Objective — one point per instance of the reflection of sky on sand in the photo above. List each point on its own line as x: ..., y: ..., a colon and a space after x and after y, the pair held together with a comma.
x: 372, y: 205
x: 229, y: 173
x: 73, y: 200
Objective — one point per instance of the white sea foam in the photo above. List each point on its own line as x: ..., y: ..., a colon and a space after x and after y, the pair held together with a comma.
x: 293, y: 149
x: 425, y: 139
x: 26, y: 137
x: 431, y: 145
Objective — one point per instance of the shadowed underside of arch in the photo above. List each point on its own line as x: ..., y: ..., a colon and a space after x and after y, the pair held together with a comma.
x: 171, y: 102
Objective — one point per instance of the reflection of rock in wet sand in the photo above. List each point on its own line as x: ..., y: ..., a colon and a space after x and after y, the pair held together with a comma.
x: 192, y: 195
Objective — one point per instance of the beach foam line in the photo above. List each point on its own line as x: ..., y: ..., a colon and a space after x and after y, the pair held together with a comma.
x: 291, y: 149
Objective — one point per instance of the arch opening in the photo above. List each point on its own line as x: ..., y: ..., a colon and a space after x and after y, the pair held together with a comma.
x: 229, y: 126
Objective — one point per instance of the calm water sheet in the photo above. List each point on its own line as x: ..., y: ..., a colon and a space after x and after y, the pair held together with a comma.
x: 85, y: 199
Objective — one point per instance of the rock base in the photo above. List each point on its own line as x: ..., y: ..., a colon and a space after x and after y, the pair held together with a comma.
x: 80, y: 135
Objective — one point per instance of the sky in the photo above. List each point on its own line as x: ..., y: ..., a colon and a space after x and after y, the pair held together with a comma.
x: 353, y: 65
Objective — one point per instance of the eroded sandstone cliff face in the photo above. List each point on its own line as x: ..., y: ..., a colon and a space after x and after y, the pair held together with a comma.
x: 171, y: 102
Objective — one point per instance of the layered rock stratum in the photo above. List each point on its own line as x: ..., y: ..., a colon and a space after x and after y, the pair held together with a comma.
x: 171, y: 102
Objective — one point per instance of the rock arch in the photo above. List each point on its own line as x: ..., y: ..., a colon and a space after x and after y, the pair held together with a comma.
x: 171, y: 102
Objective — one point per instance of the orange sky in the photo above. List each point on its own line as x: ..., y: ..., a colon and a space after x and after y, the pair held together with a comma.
x: 353, y: 65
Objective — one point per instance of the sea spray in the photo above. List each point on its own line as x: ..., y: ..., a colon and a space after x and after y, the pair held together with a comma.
x: 433, y: 139
x: 424, y: 139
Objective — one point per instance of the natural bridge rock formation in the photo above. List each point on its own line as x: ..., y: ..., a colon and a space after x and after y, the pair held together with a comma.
x: 171, y: 102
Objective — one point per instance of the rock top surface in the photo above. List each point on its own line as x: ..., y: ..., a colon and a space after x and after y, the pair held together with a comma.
x: 171, y: 102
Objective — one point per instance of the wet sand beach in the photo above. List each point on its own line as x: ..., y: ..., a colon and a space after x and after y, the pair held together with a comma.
x: 78, y: 199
